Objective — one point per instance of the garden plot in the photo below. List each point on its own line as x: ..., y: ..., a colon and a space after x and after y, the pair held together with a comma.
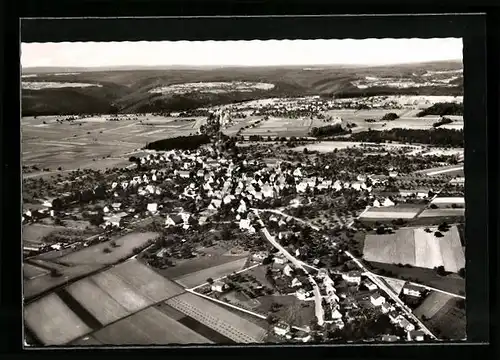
x: 96, y: 254
x: 34, y: 233
x: 53, y: 322
x: 449, y: 321
x: 200, y: 277
x: 217, y: 318
x: 440, y: 213
x: 148, y: 327
x: 193, y: 265
x: 122, y: 292
x: 432, y: 304
x: 146, y: 281
x: 96, y: 301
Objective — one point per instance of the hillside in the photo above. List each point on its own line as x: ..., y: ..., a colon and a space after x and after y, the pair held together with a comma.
x: 133, y: 90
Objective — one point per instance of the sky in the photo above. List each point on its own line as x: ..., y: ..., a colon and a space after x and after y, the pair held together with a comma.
x: 241, y: 53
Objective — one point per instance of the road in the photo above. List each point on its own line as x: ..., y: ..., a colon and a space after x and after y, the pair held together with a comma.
x: 391, y: 294
x: 298, y: 264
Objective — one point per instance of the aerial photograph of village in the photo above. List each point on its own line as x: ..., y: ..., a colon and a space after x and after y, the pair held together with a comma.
x: 243, y: 192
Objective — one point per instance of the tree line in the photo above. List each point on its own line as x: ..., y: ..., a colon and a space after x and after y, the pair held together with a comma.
x: 437, y: 136
x: 180, y: 142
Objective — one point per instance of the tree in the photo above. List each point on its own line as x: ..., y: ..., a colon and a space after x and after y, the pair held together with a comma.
x: 210, y: 281
x: 438, y: 234
x: 106, y: 250
x: 461, y: 273
x: 440, y: 270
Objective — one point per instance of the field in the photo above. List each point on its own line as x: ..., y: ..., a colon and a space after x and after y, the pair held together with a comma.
x: 451, y: 283
x: 200, y: 277
x: 398, y: 248
x: 35, y: 232
x: 395, y: 284
x: 440, y: 213
x: 448, y: 200
x: 418, y: 248
x: 146, y: 281
x: 95, y: 254
x: 31, y: 271
x: 454, y: 170
x: 96, y: 301
x: 148, y: 327
x: 219, y: 319
x: 53, y: 322
x: 96, y: 142
x: 449, y: 321
x: 390, y: 212
x: 193, y: 265
x: 38, y: 285
x: 432, y: 304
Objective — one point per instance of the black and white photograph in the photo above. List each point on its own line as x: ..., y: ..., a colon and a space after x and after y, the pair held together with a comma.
x: 243, y: 192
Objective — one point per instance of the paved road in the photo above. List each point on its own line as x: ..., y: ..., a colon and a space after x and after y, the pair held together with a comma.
x: 392, y: 295
x: 317, y: 296
x: 288, y: 216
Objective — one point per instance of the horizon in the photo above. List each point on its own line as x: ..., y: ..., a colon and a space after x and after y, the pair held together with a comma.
x: 255, y: 53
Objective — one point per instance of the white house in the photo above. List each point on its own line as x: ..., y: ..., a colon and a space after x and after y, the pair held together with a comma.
x: 412, y: 290
x: 113, y: 221
x: 388, y: 202
x: 219, y: 286
x: 173, y: 220
x: 280, y: 259
x: 301, y: 187
x: 297, y: 172
x: 215, y: 204
x: 353, y: 277
x: 296, y: 282
x: 393, y: 174
x: 281, y: 329
x: 336, y: 315
x: 301, y: 294
x: 376, y: 203
x: 244, y: 224
x: 386, y: 307
x: 152, y: 207
x: 405, y: 324
x: 377, y: 299
x: 184, y: 174
x: 267, y: 191
x: 116, y: 206
x: 288, y: 270
x: 105, y: 209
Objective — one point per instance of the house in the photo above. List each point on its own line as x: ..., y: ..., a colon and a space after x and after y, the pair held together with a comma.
x: 376, y: 203
x: 202, y: 220
x: 296, y: 282
x: 288, y: 271
x: 112, y: 221
x: 353, y: 277
x: 161, y: 252
x: 405, y: 324
x: 369, y: 285
x: 297, y: 172
x: 336, y: 315
x: 301, y: 187
x: 387, y: 202
x: 302, y: 336
x: 215, y: 204
x: 412, y: 290
x: 393, y: 316
x: 244, y: 224
x: 259, y: 256
x: 116, y: 206
x: 389, y: 338
x: 417, y: 335
x: 219, y: 286
x: 152, y: 207
x: 393, y: 174
x: 174, y: 220
x: 281, y: 328
x: 301, y: 294
x: 184, y: 174
x: 377, y: 299
x: 280, y: 259
x: 386, y: 307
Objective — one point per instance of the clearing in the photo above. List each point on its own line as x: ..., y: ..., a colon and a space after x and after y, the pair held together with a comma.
x: 432, y: 304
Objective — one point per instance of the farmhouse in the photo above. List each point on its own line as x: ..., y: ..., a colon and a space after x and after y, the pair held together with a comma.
x: 281, y: 329
x: 405, y: 324
x: 412, y: 290
x: 353, y: 277
x: 219, y: 286
x: 377, y: 299
x: 296, y: 282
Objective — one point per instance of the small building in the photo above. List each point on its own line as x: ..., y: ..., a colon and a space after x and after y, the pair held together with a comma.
x: 389, y: 338
x: 393, y: 316
x: 417, y: 335
x: 281, y: 329
x: 412, y: 290
x: 116, y: 206
x: 377, y: 299
x: 219, y: 286
x: 386, y: 307
x: 259, y: 256
x: 174, y: 220
x: 112, y: 221
x: 353, y: 277
x: 405, y: 324
x: 301, y: 294
x: 152, y: 207
x: 184, y: 174
x: 280, y: 259
x: 296, y: 282
x: 288, y: 271
x: 369, y: 285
